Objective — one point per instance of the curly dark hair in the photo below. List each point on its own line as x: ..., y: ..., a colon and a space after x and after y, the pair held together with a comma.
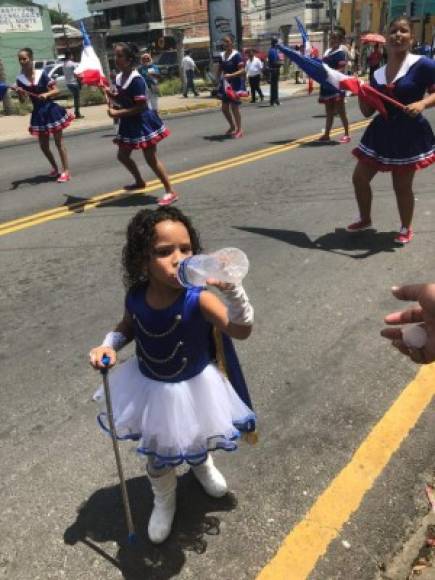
x: 140, y: 235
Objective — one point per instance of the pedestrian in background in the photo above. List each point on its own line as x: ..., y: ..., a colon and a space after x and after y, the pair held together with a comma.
x: 253, y: 69
x: 151, y: 75
x: 72, y: 82
x: 140, y: 127
x: 333, y: 99
x: 231, y: 69
x: 172, y: 396
x: 189, y: 67
x: 48, y: 118
x: 274, y: 62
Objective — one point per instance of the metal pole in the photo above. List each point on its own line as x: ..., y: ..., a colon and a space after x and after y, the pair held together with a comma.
x: 124, y: 492
x: 331, y: 15
x: 63, y: 26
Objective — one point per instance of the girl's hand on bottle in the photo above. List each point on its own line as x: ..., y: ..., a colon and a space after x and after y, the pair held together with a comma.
x: 96, y: 355
x: 222, y: 286
x: 415, y: 109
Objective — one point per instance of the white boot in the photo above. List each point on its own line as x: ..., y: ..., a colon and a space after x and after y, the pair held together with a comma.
x: 162, y: 516
x: 211, y: 478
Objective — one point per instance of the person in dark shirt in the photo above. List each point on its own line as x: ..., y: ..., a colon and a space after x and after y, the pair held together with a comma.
x: 274, y: 67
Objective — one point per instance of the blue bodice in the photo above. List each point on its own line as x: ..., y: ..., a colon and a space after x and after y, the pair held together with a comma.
x: 42, y: 84
x: 409, y: 87
x: 173, y: 344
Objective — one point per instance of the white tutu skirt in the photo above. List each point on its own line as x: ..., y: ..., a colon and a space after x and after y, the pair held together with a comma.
x: 175, y: 422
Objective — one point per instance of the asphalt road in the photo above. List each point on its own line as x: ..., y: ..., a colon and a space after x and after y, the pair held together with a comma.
x: 320, y: 375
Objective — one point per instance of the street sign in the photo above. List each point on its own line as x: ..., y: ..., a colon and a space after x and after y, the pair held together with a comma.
x: 224, y: 20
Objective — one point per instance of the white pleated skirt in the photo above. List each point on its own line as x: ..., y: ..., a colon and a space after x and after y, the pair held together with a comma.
x: 175, y: 422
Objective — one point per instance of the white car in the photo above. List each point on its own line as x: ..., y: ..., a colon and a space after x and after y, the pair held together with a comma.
x: 55, y: 72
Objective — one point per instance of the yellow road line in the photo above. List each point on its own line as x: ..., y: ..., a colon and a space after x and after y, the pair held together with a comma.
x: 309, y: 540
x: 106, y: 198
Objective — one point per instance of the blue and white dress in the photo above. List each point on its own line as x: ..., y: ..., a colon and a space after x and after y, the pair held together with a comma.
x: 171, y: 396
x: 335, y: 59
x: 47, y: 116
x: 144, y: 129
x: 401, y: 142
x: 229, y: 65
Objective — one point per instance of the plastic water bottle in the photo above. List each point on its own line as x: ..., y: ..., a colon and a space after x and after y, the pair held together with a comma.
x: 227, y: 265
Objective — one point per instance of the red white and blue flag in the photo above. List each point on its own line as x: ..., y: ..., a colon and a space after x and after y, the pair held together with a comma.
x: 336, y: 80
x: 89, y: 70
x: 307, y: 49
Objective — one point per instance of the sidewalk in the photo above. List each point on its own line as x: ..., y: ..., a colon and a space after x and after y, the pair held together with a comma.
x: 14, y: 129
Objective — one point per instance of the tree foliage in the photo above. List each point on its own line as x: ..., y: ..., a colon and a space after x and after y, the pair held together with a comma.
x: 57, y: 17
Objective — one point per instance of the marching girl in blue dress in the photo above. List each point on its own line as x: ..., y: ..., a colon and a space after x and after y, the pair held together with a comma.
x: 404, y: 141
x: 232, y: 70
x: 139, y: 126
x: 174, y: 397
x: 48, y: 118
x: 335, y: 57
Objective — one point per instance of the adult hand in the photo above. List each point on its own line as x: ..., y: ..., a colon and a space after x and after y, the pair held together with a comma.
x: 415, y: 109
x: 96, y: 355
x: 423, y: 313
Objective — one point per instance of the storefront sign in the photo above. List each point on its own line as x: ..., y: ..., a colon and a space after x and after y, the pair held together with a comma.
x: 20, y: 19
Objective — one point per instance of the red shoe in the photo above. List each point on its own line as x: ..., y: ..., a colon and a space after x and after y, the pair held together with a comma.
x: 359, y: 226
x: 64, y: 177
x: 54, y: 173
x: 168, y: 199
x: 344, y: 139
x: 238, y: 134
x: 404, y: 236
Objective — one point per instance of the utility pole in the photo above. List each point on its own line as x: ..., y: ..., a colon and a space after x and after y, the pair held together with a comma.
x: 331, y: 15
x: 352, y: 18
x: 285, y: 31
x: 65, y: 36
x: 179, y: 38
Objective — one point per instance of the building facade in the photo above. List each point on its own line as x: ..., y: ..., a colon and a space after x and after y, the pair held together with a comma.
x: 23, y: 24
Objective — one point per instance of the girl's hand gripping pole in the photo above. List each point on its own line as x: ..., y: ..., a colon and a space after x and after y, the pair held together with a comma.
x: 130, y: 526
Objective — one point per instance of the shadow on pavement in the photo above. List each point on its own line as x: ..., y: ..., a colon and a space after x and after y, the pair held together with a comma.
x: 101, y: 519
x: 218, y: 138
x: 282, y: 142
x: 357, y: 246
x: 34, y: 180
x: 129, y: 199
x: 319, y: 143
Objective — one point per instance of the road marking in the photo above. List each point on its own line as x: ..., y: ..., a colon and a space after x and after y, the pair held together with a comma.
x: 310, y: 538
x: 196, y: 173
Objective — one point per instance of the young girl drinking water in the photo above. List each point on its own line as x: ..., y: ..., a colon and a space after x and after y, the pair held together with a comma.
x: 139, y: 126
x: 171, y: 396
x: 48, y: 118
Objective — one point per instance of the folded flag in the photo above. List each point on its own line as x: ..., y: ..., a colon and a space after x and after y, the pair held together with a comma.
x: 336, y: 80
x: 233, y: 95
x: 3, y: 90
x: 89, y: 70
x: 304, y: 35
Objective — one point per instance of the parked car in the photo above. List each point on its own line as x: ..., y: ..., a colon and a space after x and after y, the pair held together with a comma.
x: 39, y: 64
x: 55, y: 72
x: 167, y: 63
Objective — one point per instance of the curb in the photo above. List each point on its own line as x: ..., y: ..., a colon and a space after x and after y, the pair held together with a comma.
x: 181, y: 111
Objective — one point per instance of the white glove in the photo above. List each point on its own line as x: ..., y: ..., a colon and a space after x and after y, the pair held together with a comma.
x: 240, y: 310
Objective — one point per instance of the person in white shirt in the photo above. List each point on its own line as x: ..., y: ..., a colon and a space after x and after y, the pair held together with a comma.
x: 189, y: 68
x: 253, y: 69
x: 74, y: 87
